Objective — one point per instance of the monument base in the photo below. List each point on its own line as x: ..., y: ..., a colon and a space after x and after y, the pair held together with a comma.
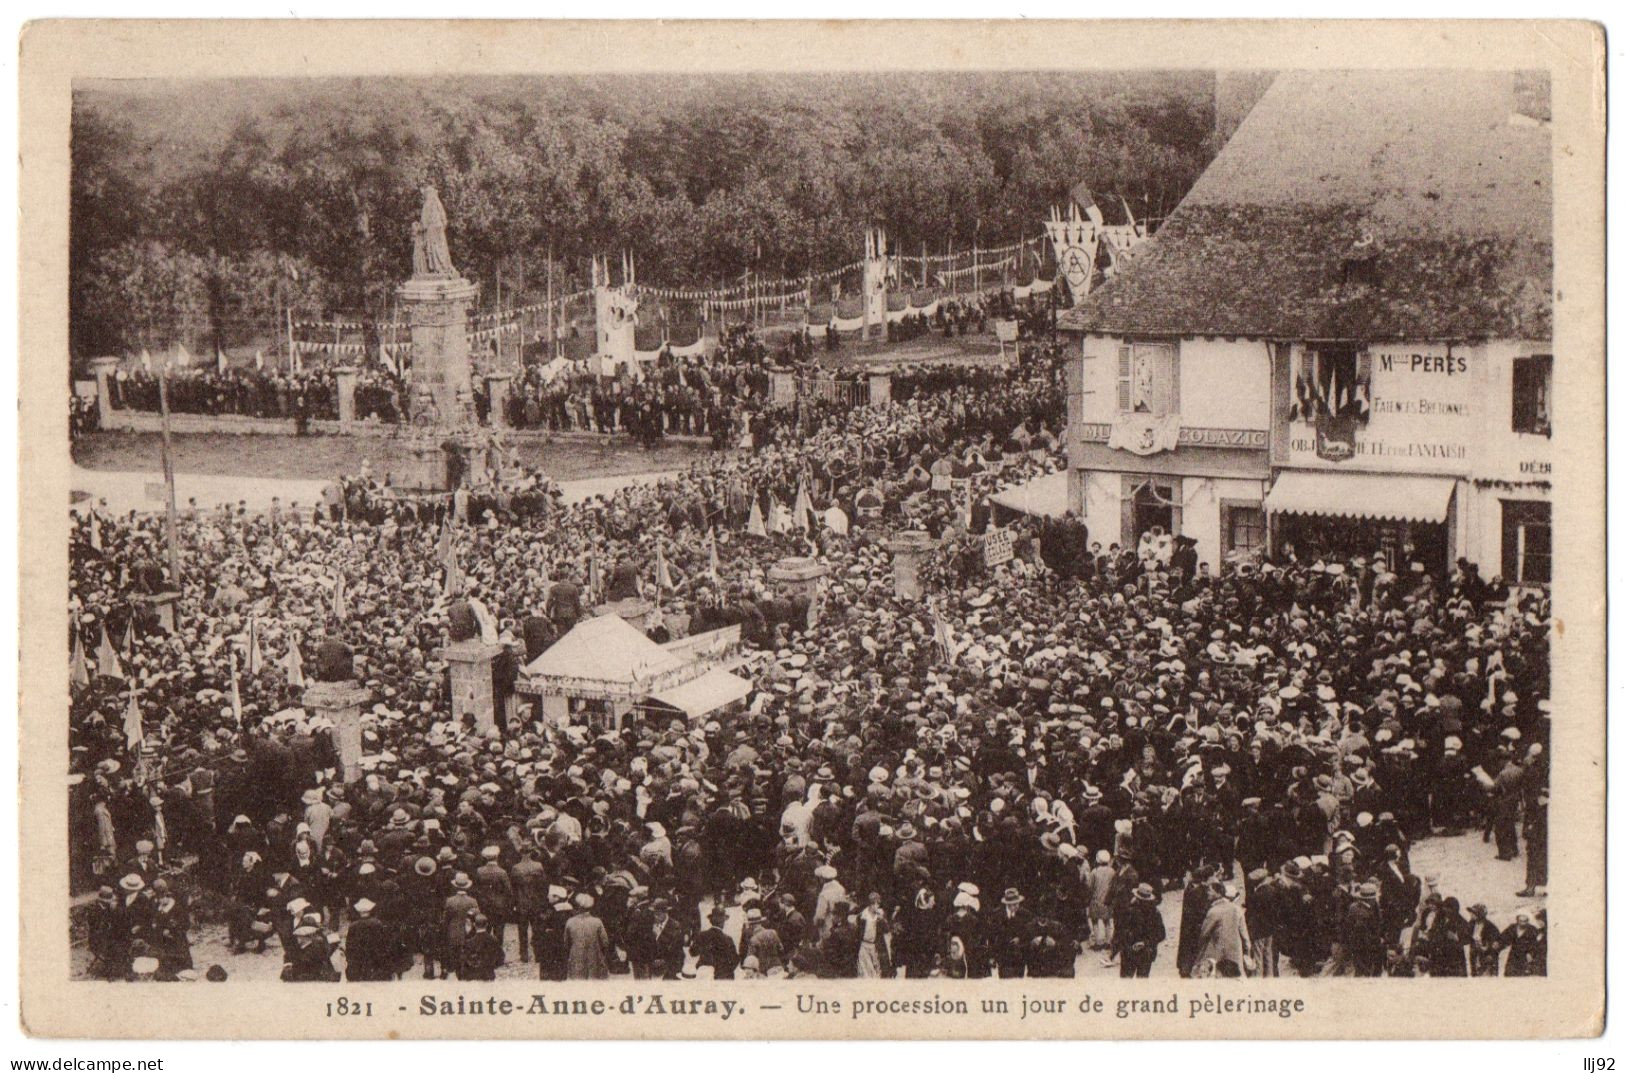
x: 473, y: 689
x: 341, y: 704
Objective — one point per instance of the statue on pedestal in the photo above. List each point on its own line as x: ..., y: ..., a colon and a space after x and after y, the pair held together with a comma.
x: 335, y: 661
x: 431, y: 256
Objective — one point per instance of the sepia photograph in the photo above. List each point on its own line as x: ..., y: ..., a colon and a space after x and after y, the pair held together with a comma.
x: 566, y: 538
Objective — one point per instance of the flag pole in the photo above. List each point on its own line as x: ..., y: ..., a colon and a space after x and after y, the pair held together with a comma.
x: 169, y: 482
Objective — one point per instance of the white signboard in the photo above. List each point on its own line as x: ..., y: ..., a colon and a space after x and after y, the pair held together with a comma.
x: 1398, y: 407
x: 999, y: 546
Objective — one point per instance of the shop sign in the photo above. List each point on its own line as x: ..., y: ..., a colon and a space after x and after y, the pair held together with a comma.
x: 1401, y: 407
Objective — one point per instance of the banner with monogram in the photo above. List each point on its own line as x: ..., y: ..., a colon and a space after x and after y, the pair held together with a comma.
x: 1144, y: 434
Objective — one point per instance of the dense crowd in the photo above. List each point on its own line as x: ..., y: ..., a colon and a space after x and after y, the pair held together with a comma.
x: 716, y: 396
x: 1016, y: 767
x: 280, y: 394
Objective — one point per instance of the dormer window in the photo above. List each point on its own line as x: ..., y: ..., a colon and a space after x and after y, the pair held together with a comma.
x: 1360, y: 271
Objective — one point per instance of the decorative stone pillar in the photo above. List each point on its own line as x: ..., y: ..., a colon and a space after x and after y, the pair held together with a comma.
x: 345, y: 376
x: 104, y: 368
x: 781, y: 387
x: 341, y: 704
x: 909, y: 551
x: 880, y: 389
x: 496, y: 388
x: 472, y: 689
x: 437, y: 312
x: 797, y: 576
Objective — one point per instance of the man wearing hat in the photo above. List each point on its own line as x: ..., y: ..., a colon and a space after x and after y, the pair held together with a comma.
x: 369, y: 946
x: 587, y: 942
x: 493, y: 889
x: 109, y: 931
x: 714, y: 948
x: 455, y: 923
x: 1009, y: 932
x: 1140, y: 931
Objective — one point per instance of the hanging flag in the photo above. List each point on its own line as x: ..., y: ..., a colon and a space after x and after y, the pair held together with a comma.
x: 80, y: 666
x: 711, y: 541
x: 236, y: 693
x: 662, y: 574
x: 803, y: 510
x: 340, y: 610
x: 447, y: 551
x: 944, y: 637
x: 755, y: 526
x: 133, y: 732
x: 256, y: 662
x: 294, y: 664
x: 95, y: 531
x: 107, y: 661
x: 127, y: 645
x: 454, y: 578
x: 183, y: 357
x: 259, y: 359
x: 146, y: 361
x: 595, y: 583
x: 219, y: 361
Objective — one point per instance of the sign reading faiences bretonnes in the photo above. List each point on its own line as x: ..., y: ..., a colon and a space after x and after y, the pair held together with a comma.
x: 1418, y: 416
x: 999, y: 546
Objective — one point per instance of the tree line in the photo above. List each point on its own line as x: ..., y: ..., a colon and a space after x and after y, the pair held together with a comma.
x: 202, y: 211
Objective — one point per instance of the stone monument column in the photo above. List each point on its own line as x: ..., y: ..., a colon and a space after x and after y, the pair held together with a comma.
x: 473, y: 690
x: 496, y: 387
x: 437, y: 313
x: 104, y: 369
x: 909, y: 551
x: 345, y: 375
x: 436, y: 300
x: 341, y: 703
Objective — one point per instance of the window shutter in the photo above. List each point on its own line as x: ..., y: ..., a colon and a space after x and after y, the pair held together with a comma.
x: 1162, y: 386
x: 1125, y: 375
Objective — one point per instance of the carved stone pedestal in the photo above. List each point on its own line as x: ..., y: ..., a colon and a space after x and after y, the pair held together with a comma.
x: 798, y: 576
x: 472, y: 690
x: 341, y: 703
x: 909, y: 551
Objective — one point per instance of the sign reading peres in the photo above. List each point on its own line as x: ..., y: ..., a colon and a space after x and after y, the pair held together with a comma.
x: 1400, y: 407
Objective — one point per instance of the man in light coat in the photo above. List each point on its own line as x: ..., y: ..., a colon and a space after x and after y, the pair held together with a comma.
x: 1224, y: 934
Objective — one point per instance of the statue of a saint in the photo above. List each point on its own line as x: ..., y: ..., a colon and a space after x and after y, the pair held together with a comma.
x: 335, y: 661
x: 432, y: 227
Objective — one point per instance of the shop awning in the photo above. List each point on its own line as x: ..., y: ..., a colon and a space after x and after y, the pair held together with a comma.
x: 716, y: 688
x: 1361, y: 495
x: 1043, y: 496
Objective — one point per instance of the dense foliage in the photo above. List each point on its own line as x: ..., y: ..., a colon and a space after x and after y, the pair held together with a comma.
x: 201, y: 210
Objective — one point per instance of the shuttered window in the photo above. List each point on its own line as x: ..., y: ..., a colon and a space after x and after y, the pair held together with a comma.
x: 1125, y: 377
x: 1147, y: 379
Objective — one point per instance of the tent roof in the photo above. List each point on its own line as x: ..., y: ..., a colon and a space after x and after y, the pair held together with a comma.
x: 1044, y: 496
x: 607, y: 648
x: 716, y: 688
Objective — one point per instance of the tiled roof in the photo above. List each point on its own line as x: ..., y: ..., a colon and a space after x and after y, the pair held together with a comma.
x: 1355, y: 205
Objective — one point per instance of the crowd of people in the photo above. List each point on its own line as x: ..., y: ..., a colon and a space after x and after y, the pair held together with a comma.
x: 278, y: 394
x: 1004, y: 776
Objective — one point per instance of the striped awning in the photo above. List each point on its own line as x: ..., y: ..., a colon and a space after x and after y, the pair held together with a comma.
x: 1361, y: 495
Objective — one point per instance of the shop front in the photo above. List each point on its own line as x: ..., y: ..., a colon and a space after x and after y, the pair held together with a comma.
x: 1338, y: 516
x: 1375, y: 449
